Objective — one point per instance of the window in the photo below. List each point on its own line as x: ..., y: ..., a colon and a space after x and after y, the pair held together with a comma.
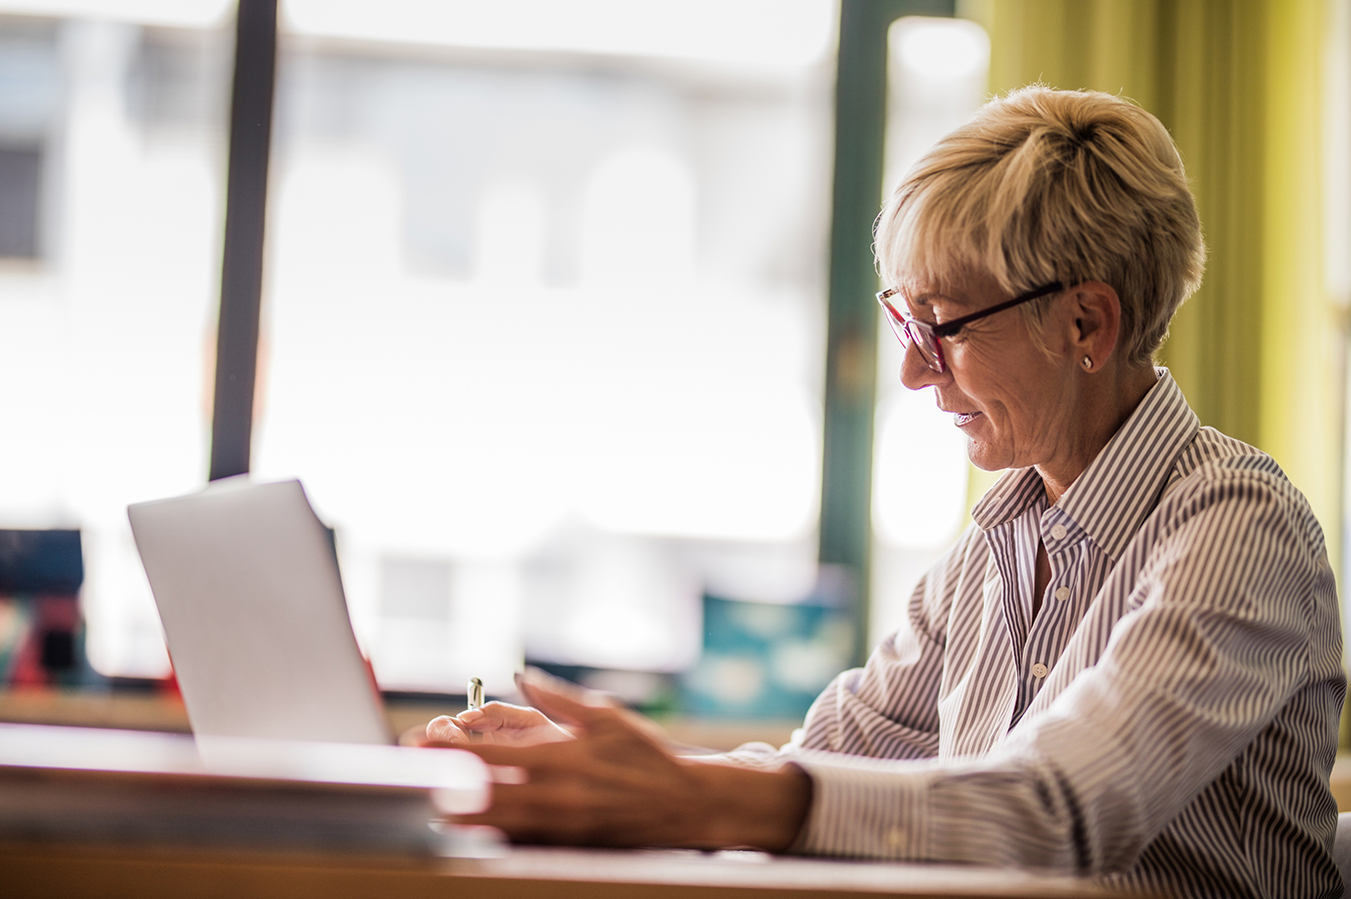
x: 544, y: 322
x: 111, y: 180
x: 29, y: 90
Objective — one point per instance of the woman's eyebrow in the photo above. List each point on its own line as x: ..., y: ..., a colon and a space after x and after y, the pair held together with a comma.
x: 928, y: 298
x: 953, y: 301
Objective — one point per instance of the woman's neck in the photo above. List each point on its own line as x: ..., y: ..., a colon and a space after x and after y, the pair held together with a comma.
x: 1108, y: 399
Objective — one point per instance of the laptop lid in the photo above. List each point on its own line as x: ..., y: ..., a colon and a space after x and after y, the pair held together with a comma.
x: 248, y: 590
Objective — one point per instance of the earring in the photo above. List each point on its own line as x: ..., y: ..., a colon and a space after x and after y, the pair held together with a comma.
x: 1088, y: 363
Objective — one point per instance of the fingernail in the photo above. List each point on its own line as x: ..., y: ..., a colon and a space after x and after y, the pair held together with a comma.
x: 469, y: 716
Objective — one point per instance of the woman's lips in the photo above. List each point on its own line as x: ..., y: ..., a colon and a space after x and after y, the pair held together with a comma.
x: 962, y: 419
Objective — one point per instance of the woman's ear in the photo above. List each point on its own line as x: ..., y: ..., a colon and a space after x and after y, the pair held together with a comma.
x: 1096, y: 314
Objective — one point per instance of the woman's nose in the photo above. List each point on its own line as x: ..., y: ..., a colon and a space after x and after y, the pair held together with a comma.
x: 915, y: 372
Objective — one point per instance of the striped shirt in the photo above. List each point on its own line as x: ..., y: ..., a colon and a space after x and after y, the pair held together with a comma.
x: 1167, y: 721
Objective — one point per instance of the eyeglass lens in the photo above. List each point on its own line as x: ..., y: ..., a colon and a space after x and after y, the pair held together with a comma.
x: 927, y: 344
x: 908, y: 332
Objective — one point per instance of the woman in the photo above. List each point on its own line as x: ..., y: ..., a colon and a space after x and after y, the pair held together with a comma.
x: 1128, y: 666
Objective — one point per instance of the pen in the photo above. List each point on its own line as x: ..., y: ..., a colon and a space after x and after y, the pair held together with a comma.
x: 475, y: 693
x: 475, y: 699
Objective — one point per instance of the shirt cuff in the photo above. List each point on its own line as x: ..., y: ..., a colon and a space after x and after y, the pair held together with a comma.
x: 867, y: 808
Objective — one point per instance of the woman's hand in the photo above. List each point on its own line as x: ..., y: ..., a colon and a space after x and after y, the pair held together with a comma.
x: 617, y: 785
x: 497, y: 724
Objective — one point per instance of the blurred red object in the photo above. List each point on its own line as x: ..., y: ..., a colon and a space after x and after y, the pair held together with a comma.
x: 46, y: 653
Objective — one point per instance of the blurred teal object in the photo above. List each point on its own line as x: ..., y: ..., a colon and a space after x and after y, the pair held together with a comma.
x: 766, y: 660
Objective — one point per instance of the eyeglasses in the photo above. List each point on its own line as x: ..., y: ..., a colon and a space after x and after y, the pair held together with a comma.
x: 926, y: 336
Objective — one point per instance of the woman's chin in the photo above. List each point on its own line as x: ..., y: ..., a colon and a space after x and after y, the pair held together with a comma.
x: 984, y: 456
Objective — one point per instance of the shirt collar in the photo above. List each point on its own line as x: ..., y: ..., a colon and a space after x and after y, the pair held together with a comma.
x: 1110, y: 500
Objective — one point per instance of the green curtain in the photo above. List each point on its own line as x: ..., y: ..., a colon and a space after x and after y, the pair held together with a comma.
x: 1238, y: 83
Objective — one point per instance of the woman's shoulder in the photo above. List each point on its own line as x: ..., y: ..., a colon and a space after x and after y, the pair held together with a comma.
x: 1213, y: 455
x: 1217, y: 472
x: 1211, y: 446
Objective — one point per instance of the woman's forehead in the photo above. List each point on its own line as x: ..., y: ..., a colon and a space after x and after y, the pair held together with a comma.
x: 959, y: 287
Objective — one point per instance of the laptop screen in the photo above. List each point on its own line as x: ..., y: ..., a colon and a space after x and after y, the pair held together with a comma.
x: 248, y: 590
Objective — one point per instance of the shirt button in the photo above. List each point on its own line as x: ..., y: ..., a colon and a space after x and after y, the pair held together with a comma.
x: 1062, y: 593
x: 895, y: 837
x: 1058, y: 531
x: 1039, y: 670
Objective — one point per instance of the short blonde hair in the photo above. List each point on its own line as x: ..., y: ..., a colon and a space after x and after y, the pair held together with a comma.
x: 1045, y: 185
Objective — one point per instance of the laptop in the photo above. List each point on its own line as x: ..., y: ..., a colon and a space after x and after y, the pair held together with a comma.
x: 247, y: 584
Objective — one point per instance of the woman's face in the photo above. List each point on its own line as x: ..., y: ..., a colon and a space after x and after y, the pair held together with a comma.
x: 1014, y: 400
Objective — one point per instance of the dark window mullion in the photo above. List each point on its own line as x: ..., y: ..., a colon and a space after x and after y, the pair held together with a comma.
x: 851, y: 340
x: 245, y: 214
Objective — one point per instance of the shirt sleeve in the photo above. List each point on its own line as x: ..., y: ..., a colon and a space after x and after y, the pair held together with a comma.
x: 1214, y: 642
x: 889, y: 709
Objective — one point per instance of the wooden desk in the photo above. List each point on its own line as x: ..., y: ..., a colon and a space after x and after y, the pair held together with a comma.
x: 38, y: 871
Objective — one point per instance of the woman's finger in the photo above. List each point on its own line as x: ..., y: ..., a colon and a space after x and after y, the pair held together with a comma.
x: 532, y: 758
x: 500, y: 716
x: 561, y: 700
x: 444, y: 730
x: 509, y: 725
x: 613, y: 786
x: 545, y: 813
